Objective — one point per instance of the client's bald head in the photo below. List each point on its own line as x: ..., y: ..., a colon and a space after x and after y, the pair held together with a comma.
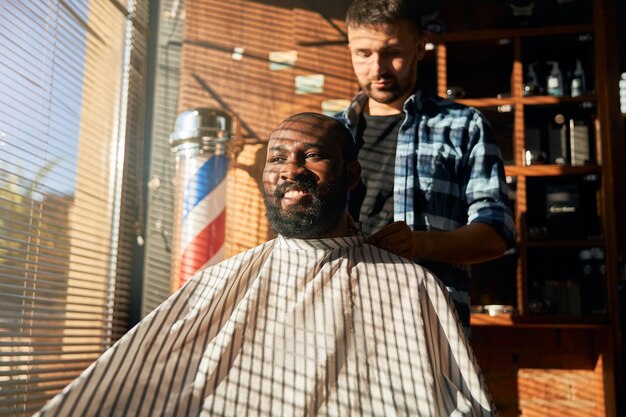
x: 311, y: 165
x: 327, y: 128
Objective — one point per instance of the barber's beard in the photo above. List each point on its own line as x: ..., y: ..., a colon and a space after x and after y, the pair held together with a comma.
x: 312, y: 218
x: 386, y: 96
x: 399, y: 89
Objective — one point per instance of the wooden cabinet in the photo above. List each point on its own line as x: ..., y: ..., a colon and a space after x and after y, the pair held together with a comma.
x: 559, y: 352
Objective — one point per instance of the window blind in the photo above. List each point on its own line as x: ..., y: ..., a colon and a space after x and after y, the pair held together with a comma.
x: 71, y: 129
x: 160, y: 194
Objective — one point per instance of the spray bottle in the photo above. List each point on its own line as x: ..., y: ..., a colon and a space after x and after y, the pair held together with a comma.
x: 555, y: 80
x: 578, y: 80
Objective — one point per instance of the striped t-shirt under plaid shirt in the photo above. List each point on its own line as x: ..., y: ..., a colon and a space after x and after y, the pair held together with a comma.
x: 328, y: 327
x: 371, y: 201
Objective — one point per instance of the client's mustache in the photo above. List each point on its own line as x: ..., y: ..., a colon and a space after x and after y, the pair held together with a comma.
x: 301, y: 182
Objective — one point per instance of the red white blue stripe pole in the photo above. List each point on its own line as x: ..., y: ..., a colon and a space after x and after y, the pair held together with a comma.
x: 200, y: 140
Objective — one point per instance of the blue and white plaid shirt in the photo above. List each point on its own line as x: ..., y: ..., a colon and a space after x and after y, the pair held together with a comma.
x: 448, y: 172
x: 448, y: 168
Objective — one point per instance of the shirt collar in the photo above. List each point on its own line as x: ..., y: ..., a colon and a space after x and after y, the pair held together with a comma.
x: 412, y: 105
x: 320, y: 244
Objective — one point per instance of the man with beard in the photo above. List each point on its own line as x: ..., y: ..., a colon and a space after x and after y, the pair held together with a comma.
x: 432, y: 186
x: 307, y: 198
x: 314, y: 322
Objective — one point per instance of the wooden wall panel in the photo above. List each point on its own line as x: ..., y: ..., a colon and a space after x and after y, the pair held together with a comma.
x: 542, y: 372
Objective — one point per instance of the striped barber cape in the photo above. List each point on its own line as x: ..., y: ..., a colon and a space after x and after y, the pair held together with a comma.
x: 329, y: 327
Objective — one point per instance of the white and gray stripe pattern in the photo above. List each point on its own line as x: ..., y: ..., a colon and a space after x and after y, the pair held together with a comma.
x: 329, y: 327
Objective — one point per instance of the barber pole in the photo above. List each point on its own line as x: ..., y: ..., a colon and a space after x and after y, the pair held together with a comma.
x: 200, y: 140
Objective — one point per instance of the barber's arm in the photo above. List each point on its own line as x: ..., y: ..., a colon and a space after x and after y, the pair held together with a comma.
x: 472, y: 243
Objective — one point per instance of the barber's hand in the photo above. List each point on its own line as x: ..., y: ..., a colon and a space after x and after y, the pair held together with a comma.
x: 397, y: 238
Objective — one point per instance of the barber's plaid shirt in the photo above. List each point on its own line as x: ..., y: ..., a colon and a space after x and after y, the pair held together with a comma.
x: 448, y: 168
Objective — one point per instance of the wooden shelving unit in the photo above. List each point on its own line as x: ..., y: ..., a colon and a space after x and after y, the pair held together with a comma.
x: 601, y: 327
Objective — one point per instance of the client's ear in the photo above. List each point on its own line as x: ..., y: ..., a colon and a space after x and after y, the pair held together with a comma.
x: 354, y: 174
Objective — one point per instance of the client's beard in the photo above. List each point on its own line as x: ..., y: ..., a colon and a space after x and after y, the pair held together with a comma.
x: 313, y: 218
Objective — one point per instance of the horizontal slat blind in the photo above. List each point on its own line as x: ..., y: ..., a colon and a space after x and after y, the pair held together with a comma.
x: 71, y: 130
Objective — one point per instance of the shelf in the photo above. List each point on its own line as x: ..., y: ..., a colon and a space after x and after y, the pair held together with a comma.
x: 528, y: 101
x: 488, y: 102
x: 495, y: 34
x: 550, y: 170
x: 554, y: 322
x: 546, y: 100
x: 591, y: 243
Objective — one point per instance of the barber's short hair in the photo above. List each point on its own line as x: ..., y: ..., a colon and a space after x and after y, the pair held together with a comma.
x: 376, y: 13
x: 335, y: 128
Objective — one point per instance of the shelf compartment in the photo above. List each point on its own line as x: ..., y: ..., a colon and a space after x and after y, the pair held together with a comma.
x: 477, y: 75
x: 567, y: 51
x: 563, y: 208
x: 502, y: 121
x: 567, y: 282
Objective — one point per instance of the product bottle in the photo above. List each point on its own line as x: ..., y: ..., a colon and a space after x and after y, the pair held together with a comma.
x: 532, y: 87
x: 532, y: 75
x: 555, y: 80
x: 578, y: 80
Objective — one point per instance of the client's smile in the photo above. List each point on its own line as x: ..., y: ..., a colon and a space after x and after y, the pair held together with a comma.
x: 295, y: 195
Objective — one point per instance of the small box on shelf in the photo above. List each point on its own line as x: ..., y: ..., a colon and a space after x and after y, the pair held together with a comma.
x: 564, y: 207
